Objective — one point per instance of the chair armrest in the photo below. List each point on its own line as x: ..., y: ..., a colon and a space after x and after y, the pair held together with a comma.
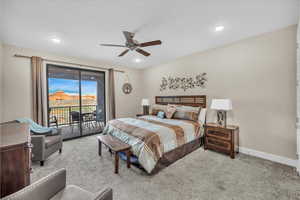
x: 106, y: 194
x: 45, y: 133
x: 58, y: 131
x: 55, y: 131
x: 42, y: 189
x: 38, y: 149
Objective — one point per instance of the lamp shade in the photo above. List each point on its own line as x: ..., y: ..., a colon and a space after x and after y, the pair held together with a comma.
x: 221, y: 104
x: 145, y: 102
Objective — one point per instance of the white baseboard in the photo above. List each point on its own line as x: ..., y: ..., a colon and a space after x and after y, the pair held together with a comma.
x: 268, y: 156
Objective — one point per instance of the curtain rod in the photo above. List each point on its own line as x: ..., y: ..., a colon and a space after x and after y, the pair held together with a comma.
x: 69, y: 63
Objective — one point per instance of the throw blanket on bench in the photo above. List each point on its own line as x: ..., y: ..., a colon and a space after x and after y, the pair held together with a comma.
x: 150, y: 137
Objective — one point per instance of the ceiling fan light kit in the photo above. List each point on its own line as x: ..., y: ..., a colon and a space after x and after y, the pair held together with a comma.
x: 134, y: 45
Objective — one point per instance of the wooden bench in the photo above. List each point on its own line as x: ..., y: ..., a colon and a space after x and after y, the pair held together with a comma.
x: 114, y: 145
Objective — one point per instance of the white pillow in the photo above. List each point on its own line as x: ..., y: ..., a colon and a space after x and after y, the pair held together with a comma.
x: 202, y: 116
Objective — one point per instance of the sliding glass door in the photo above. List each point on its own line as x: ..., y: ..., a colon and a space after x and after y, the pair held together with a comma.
x: 92, y: 102
x: 76, y: 100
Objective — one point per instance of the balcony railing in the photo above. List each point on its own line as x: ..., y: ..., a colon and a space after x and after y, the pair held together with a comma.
x: 65, y: 114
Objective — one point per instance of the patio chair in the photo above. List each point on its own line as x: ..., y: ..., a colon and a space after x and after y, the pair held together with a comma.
x: 100, y: 118
x: 52, y: 119
x: 76, y: 119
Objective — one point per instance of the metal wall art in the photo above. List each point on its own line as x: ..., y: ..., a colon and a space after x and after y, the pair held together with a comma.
x: 174, y: 83
x: 127, y: 87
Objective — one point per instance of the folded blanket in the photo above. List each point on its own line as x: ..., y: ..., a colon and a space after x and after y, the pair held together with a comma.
x: 36, y: 128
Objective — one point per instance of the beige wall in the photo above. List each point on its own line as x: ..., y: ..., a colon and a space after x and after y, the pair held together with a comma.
x: 17, y: 80
x: 1, y: 80
x: 298, y: 97
x: 258, y: 74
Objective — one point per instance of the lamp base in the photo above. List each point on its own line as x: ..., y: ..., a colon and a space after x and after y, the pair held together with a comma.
x: 222, y: 118
x: 145, y: 110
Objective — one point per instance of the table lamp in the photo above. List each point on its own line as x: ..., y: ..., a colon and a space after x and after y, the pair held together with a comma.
x: 222, y: 106
x: 145, y: 104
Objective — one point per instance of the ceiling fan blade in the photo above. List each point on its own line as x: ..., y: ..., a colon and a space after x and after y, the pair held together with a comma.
x: 141, y: 51
x: 128, y: 36
x: 123, y: 53
x: 152, y: 43
x: 112, y: 45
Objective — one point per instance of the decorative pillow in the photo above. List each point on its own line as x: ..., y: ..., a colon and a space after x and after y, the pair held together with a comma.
x: 156, y: 108
x: 171, y: 109
x: 161, y: 114
x: 187, y: 113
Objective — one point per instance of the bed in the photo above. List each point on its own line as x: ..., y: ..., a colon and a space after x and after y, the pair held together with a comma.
x: 157, y: 142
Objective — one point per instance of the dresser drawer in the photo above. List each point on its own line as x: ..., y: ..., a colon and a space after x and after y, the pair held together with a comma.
x: 218, y: 133
x: 217, y: 144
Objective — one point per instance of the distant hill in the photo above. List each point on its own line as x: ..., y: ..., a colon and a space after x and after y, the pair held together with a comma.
x: 61, y: 95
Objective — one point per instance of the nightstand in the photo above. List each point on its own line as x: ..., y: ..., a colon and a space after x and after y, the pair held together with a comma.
x: 222, y: 139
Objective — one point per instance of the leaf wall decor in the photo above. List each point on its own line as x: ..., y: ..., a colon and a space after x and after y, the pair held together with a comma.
x: 174, y: 83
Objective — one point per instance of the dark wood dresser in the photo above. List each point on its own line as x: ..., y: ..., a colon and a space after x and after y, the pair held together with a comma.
x: 15, y: 157
x: 222, y: 139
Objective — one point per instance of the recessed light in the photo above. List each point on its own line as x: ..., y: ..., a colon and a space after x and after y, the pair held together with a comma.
x: 56, y: 40
x: 219, y: 28
x: 137, y: 60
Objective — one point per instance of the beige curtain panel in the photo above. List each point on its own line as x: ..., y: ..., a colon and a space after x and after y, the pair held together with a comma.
x: 37, y: 90
x: 111, y: 95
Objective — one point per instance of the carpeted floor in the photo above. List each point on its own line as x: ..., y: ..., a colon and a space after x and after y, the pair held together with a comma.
x: 201, y: 175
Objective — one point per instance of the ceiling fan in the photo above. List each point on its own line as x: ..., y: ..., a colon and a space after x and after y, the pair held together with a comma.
x: 133, y: 45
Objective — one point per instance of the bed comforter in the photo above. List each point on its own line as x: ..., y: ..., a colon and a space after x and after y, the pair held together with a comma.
x: 150, y: 137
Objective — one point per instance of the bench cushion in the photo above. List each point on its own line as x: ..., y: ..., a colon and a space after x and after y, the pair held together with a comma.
x: 113, y: 143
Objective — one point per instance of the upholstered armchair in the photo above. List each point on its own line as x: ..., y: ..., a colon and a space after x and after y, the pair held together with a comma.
x: 45, y: 140
x: 54, y: 187
x: 45, y: 145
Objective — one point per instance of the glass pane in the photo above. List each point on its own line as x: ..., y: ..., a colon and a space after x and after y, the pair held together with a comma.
x: 63, y: 100
x: 92, y: 101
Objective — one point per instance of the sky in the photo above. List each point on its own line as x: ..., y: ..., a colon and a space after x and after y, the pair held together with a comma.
x: 72, y: 86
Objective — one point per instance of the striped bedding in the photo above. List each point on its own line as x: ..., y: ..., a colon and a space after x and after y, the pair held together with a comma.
x: 150, y: 137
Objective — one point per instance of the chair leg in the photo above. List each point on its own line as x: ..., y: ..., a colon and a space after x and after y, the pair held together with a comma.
x: 60, y: 150
x: 42, y: 163
x: 72, y: 128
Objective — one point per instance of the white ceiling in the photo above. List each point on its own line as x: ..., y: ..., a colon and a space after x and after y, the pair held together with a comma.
x: 184, y: 26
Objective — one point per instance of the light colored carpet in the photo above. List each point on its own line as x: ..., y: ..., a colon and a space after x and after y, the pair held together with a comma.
x: 201, y: 175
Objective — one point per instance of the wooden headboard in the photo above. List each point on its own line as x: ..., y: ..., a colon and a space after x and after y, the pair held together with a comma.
x: 196, y: 101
